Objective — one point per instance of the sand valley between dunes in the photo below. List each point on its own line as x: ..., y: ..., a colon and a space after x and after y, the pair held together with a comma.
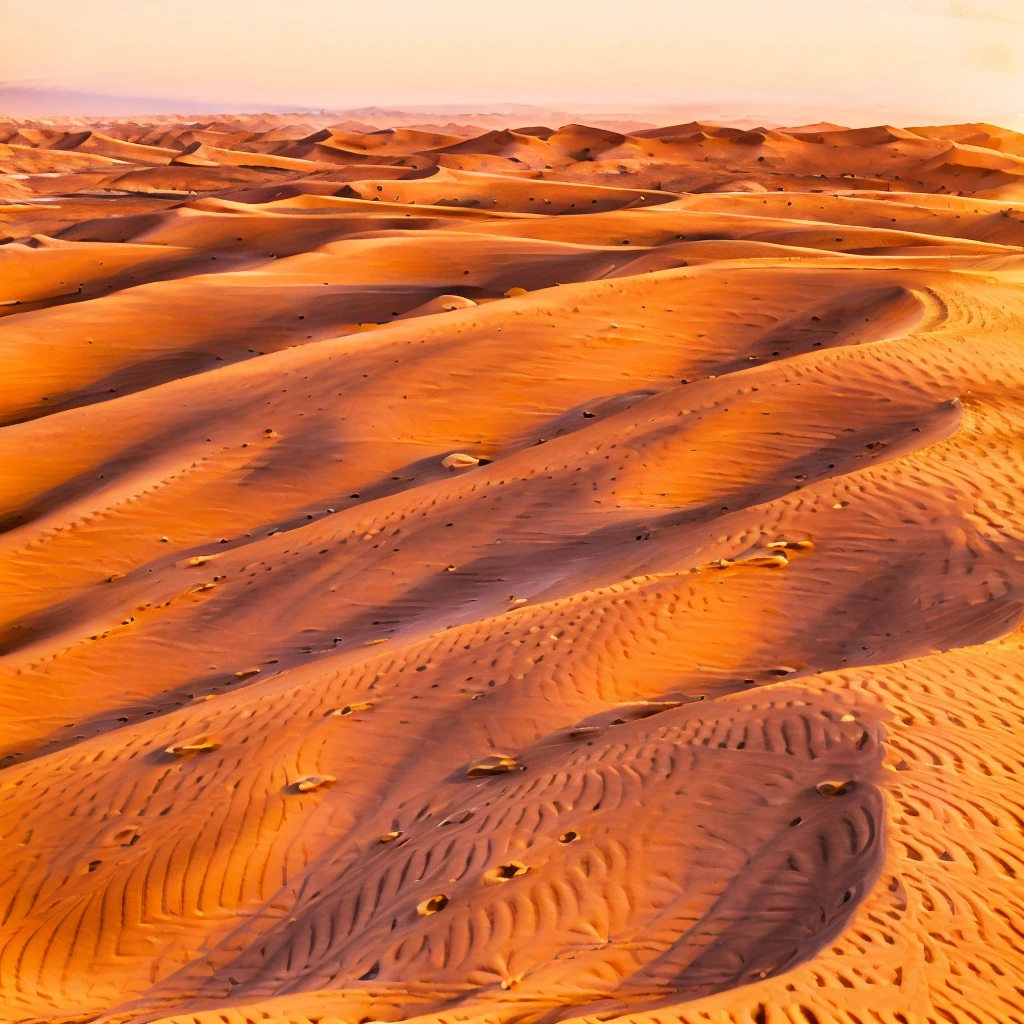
x: 512, y: 577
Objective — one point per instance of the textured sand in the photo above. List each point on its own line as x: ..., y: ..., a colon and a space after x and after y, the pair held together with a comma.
x: 693, y: 695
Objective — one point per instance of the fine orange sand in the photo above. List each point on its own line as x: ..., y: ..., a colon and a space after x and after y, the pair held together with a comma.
x: 690, y: 692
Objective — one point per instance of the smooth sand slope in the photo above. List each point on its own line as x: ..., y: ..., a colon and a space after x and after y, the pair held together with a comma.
x: 543, y: 576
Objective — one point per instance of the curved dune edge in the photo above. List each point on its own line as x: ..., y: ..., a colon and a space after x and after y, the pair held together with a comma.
x: 425, y: 599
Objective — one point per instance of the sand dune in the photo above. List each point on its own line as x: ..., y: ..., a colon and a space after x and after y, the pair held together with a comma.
x: 555, y: 574
x: 203, y: 155
x: 117, y: 149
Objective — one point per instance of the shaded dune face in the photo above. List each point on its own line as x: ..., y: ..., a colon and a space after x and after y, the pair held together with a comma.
x: 523, y: 576
x: 650, y: 829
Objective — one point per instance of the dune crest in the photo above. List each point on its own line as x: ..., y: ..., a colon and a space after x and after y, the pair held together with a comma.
x: 524, y: 575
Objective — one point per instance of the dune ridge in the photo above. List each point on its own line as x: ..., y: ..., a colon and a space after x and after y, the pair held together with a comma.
x: 546, y: 574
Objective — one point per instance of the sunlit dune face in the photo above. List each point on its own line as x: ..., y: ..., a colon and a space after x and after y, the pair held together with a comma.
x: 543, y: 573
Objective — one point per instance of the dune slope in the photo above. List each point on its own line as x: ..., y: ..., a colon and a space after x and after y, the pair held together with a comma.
x: 551, y: 575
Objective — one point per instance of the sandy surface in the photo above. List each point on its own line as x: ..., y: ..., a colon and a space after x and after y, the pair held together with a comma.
x: 694, y: 695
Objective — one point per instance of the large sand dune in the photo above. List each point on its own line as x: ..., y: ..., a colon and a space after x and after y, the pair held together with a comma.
x: 690, y: 691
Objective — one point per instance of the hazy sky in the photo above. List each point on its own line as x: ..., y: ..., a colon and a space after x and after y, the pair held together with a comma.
x: 937, y: 58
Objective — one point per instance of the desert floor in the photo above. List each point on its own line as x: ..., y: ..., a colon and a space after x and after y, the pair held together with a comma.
x: 689, y: 692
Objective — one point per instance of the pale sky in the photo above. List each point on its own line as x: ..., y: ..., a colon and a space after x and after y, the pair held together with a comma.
x: 948, y: 59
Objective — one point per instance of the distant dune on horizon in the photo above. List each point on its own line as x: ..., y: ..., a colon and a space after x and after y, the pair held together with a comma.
x: 17, y: 100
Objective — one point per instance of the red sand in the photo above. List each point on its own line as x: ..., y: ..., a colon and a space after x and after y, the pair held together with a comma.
x: 696, y: 699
